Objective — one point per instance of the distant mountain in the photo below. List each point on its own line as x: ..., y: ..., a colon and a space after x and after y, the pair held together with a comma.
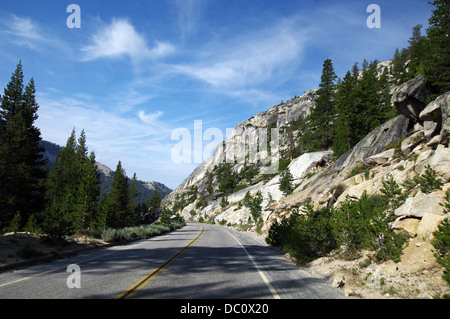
x: 145, y: 189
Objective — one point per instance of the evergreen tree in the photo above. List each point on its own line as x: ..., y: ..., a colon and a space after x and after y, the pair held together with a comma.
x: 398, y: 66
x: 155, y: 202
x: 88, y: 195
x: 322, y: 116
x: 133, y: 193
x: 21, y: 159
x: 118, y: 208
x: 436, y: 61
x: 346, y: 113
x: 370, y: 113
x: 72, y: 191
x: 286, y: 180
x: 417, y: 51
x: 60, y: 217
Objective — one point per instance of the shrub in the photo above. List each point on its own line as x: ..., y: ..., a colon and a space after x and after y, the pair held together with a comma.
x: 286, y: 180
x: 305, y: 236
x: 140, y: 232
x: 357, y: 224
x: 358, y: 169
x: 441, y: 243
x: 393, y: 194
x: 391, y: 246
x: 429, y: 181
x: 29, y: 250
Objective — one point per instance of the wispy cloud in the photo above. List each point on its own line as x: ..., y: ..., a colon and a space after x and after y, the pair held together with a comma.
x: 28, y: 33
x: 139, y: 139
x: 246, y: 61
x: 189, y: 14
x: 120, y: 38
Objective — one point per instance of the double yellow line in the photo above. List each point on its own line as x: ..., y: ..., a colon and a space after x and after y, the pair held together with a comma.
x: 150, y: 276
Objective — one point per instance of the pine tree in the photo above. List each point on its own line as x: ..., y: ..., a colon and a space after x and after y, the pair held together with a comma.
x: 368, y: 103
x: 118, y: 209
x: 60, y: 215
x: 155, y: 202
x: 436, y: 61
x: 346, y: 114
x: 322, y: 116
x: 133, y: 193
x: 88, y: 193
x: 416, y: 51
x: 21, y: 159
x: 286, y: 180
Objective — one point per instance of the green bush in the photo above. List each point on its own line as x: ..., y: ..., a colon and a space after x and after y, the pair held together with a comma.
x: 441, y: 243
x: 306, y: 235
x: 356, y: 225
x: 29, y: 250
x: 429, y: 181
x: 139, y: 232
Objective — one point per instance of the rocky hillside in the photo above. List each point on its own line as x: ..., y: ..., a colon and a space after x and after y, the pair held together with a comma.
x: 402, y: 148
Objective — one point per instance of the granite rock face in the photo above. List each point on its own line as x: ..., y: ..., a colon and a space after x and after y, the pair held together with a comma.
x: 247, y: 140
x: 409, y: 98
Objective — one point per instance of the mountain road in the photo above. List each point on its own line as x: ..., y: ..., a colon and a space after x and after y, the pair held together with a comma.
x: 198, y: 261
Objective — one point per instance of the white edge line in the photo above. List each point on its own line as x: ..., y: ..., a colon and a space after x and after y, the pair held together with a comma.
x: 258, y: 268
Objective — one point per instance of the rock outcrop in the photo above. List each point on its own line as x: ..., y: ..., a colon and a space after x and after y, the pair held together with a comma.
x: 250, y: 133
x: 410, y: 98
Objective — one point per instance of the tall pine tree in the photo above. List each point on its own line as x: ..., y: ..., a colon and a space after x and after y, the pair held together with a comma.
x: 117, y: 206
x: 346, y: 114
x: 436, y: 60
x: 88, y: 190
x: 72, y: 191
x: 322, y: 118
x: 60, y: 215
x: 22, y: 163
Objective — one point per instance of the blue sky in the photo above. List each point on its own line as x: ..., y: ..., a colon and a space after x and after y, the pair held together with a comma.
x: 137, y: 70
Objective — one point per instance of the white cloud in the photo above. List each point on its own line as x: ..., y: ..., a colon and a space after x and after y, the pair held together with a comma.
x: 150, y: 118
x: 249, y: 59
x: 22, y: 27
x: 139, y: 140
x: 120, y: 38
x: 30, y: 34
x: 189, y: 14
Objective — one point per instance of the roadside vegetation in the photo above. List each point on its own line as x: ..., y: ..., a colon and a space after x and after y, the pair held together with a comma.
x: 356, y: 225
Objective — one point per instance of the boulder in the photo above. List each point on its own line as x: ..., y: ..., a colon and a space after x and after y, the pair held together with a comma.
x: 409, y: 98
x: 411, y: 142
x: 428, y: 224
x: 432, y: 112
x: 440, y: 162
x: 380, y: 158
x: 437, y: 117
x: 420, y: 205
x: 391, y: 131
x: 431, y: 129
x: 407, y: 225
x: 444, y: 101
x: 300, y: 165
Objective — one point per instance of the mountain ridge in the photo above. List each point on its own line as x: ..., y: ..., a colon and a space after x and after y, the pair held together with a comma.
x: 145, y: 189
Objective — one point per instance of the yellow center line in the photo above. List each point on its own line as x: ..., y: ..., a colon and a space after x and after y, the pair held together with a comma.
x: 151, y: 275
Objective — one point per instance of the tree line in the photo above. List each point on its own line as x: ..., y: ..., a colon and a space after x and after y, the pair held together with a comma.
x: 64, y: 200
x: 348, y: 109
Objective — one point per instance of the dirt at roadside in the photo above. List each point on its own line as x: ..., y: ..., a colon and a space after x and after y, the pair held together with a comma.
x: 21, y: 247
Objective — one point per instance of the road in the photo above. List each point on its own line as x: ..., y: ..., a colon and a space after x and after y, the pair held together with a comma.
x: 197, y: 261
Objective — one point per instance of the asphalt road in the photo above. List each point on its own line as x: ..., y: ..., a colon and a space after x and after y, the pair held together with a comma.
x: 196, y: 262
